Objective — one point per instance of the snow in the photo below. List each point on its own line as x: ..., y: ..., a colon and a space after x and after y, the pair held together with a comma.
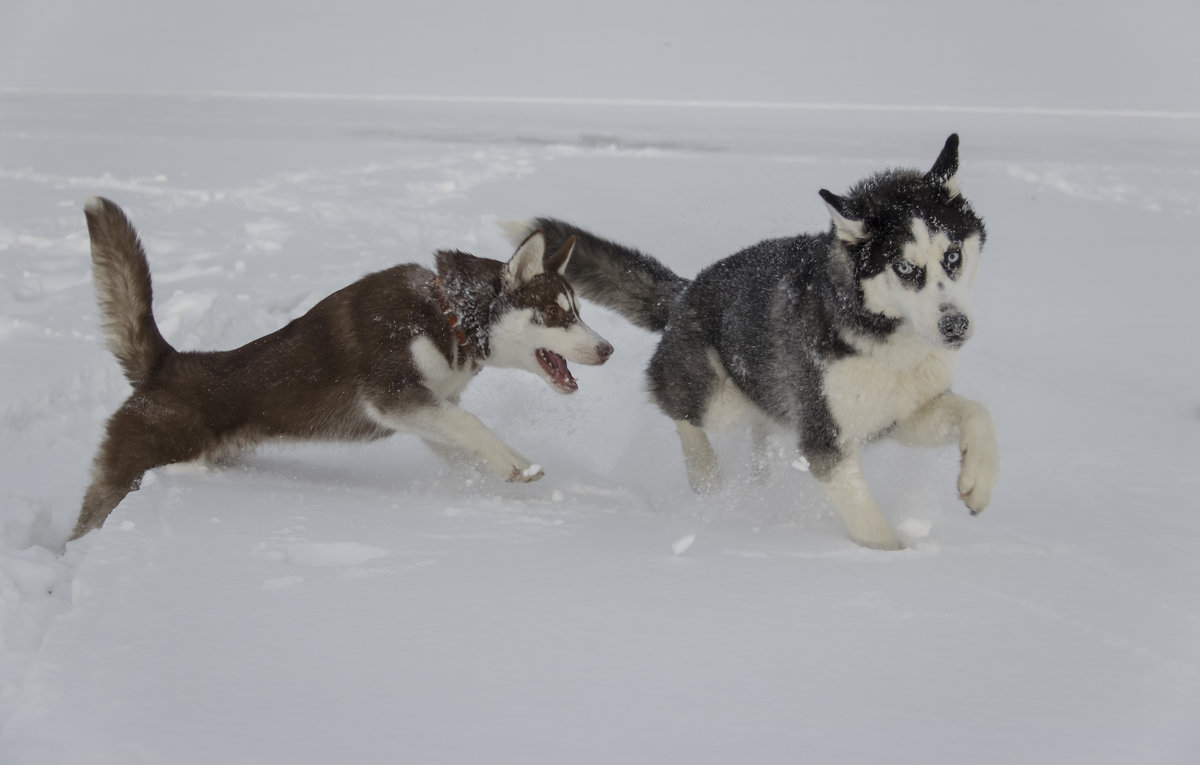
x: 367, y: 603
x: 681, y: 545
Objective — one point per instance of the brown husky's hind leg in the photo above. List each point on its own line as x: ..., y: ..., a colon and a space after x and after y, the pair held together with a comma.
x: 105, y: 492
x: 141, y: 435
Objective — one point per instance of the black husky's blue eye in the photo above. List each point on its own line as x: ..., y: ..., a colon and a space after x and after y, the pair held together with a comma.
x: 953, y: 257
x: 912, y: 274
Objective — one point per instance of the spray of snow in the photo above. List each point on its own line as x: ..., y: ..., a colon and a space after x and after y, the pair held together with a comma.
x: 681, y: 545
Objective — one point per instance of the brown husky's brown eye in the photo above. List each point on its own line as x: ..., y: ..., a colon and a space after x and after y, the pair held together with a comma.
x: 554, y: 313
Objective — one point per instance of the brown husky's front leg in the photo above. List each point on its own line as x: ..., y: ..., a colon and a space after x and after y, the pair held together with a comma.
x: 441, y: 421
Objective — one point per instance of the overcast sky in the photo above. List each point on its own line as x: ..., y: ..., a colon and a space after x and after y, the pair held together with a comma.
x: 1040, y: 53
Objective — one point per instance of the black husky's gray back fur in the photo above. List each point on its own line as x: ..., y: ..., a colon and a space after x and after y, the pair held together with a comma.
x: 626, y: 280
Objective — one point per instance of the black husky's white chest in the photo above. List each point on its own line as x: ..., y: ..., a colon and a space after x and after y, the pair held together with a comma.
x: 885, y: 383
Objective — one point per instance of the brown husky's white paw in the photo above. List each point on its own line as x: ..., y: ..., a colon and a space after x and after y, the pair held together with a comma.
x: 527, y: 474
x: 510, y: 466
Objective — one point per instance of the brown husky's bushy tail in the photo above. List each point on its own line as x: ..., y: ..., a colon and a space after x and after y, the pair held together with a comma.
x: 122, y: 278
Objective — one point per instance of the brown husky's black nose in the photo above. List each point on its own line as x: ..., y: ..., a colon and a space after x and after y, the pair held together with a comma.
x: 604, y: 350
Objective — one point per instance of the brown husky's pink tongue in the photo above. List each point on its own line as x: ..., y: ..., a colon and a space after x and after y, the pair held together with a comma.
x: 556, y: 367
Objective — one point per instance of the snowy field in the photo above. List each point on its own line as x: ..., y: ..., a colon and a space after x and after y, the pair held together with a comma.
x: 366, y: 604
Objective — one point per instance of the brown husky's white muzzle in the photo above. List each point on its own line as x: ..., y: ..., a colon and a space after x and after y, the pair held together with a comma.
x: 583, y: 346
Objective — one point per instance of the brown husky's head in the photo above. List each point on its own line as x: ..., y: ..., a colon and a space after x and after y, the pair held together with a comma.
x: 539, y: 328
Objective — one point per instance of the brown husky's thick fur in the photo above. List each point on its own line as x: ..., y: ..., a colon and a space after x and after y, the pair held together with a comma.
x: 391, y: 352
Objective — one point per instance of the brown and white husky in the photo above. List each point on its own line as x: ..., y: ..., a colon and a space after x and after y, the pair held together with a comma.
x: 391, y: 352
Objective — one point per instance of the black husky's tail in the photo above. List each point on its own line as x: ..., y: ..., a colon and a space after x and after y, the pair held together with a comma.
x: 630, y: 282
x: 122, y: 278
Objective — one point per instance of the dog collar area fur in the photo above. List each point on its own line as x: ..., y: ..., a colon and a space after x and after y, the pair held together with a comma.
x: 460, y: 334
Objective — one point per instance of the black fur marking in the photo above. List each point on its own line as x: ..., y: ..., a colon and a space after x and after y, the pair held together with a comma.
x: 952, y: 261
x: 887, y: 204
x: 946, y: 165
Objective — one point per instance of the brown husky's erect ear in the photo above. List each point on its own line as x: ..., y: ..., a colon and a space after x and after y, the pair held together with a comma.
x: 526, y: 262
x: 557, y: 263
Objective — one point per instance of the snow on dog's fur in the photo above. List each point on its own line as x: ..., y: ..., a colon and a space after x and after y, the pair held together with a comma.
x: 840, y: 337
x: 390, y: 352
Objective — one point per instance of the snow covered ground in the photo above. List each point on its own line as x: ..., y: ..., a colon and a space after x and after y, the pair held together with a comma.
x: 364, y: 603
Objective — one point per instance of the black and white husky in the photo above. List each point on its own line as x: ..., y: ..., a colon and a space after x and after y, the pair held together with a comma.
x: 391, y: 352
x: 841, y: 337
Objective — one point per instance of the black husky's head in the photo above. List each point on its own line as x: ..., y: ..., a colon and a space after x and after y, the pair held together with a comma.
x: 913, y: 243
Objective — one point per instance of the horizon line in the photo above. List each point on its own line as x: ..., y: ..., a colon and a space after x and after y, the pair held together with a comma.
x: 652, y: 103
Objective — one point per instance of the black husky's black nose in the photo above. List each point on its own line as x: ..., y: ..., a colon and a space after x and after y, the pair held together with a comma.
x: 953, y: 327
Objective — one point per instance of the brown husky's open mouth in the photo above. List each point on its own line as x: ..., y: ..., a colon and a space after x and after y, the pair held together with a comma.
x: 556, y: 368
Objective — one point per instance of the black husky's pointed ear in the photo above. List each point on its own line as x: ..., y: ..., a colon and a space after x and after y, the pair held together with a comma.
x: 945, y: 170
x: 557, y: 263
x: 526, y: 262
x: 848, y: 229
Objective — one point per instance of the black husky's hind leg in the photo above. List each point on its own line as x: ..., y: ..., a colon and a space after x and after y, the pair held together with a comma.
x: 703, y: 470
x: 681, y: 380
